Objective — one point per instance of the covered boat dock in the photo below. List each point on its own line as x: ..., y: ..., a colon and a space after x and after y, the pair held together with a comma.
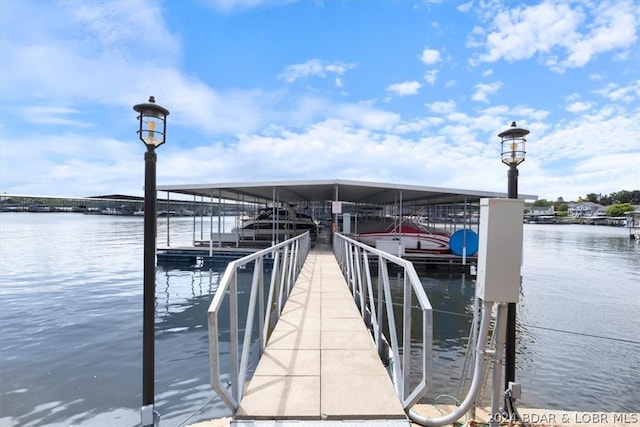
x: 339, y: 205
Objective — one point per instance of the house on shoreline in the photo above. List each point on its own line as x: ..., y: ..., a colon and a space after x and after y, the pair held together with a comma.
x: 590, y: 209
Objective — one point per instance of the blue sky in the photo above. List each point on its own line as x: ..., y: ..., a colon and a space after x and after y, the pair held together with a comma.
x: 408, y: 92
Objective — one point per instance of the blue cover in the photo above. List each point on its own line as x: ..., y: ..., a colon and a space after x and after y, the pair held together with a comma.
x: 462, y: 237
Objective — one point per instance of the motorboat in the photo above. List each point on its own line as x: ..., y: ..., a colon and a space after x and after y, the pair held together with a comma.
x: 415, y: 237
x: 271, y: 221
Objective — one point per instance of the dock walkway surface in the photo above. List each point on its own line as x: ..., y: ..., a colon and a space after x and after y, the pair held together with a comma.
x: 320, y: 363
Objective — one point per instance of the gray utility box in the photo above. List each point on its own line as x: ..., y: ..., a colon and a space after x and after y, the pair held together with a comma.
x: 500, y: 250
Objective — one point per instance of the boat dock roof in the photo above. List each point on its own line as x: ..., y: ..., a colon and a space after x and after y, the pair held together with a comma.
x: 334, y: 189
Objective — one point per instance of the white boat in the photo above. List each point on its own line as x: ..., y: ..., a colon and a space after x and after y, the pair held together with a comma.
x: 111, y: 211
x: 283, y: 222
x: 415, y: 237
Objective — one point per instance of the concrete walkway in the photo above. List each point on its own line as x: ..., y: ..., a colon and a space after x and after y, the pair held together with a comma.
x: 320, y: 362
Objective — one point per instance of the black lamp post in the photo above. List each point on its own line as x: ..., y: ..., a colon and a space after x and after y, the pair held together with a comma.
x: 152, y: 133
x: 513, y: 151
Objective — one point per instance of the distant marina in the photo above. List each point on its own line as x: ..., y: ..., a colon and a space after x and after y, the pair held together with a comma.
x: 122, y: 205
x: 116, y: 204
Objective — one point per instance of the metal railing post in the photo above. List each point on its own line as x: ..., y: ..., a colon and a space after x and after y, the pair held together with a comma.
x: 288, y: 258
x: 406, y: 338
x: 353, y: 257
x: 233, y: 322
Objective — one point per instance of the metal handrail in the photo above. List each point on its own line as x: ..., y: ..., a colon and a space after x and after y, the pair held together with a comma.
x: 354, y: 259
x: 288, y: 258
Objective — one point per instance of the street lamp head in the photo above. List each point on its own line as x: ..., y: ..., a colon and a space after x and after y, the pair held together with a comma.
x: 153, y: 123
x: 513, y: 140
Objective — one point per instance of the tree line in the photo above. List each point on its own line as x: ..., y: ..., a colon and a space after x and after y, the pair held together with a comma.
x: 617, y: 202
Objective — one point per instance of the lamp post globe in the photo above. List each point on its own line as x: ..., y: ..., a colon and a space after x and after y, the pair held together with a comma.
x: 152, y: 130
x: 513, y: 153
x: 513, y: 144
x: 152, y: 121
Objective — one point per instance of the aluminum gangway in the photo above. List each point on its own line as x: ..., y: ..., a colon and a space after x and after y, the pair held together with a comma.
x: 330, y: 347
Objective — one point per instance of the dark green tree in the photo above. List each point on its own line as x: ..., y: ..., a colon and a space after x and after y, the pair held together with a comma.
x: 605, y: 200
x: 621, y: 197
x: 542, y: 203
x: 558, y: 202
x: 593, y: 198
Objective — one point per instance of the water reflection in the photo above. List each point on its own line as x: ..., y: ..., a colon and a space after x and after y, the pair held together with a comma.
x: 182, y: 344
x: 179, y: 290
x: 182, y: 341
x: 578, y: 320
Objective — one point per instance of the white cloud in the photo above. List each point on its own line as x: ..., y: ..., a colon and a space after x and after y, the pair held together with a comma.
x: 430, y: 56
x: 239, y: 5
x: 565, y: 36
x: 615, y: 92
x: 531, y: 113
x: 483, y: 90
x: 442, y: 107
x: 419, y: 125
x: 339, y: 148
x: 127, y: 30
x: 431, y: 76
x: 365, y: 116
x: 614, y: 27
x: 313, y: 67
x: 521, y: 32
x: 604, y: 132
x: 95, y: 53
x: 579, y: 107
x: 404, y: 88
x: 622, y: 56
x: 52, y: 116
x: 572, y: 97
x: 72, y: 166
x: 465, y: 7
x: 474, y: 39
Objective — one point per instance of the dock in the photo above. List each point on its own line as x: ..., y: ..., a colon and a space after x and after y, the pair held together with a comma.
x: 320, y: 363
x: 320, y: 366
x: 202, y: 255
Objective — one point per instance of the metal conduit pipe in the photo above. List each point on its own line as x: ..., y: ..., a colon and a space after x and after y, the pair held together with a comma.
x: 499, y: 331
x: 476, y: 382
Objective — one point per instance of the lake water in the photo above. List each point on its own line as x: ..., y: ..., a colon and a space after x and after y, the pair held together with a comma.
x: 71, y: 322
